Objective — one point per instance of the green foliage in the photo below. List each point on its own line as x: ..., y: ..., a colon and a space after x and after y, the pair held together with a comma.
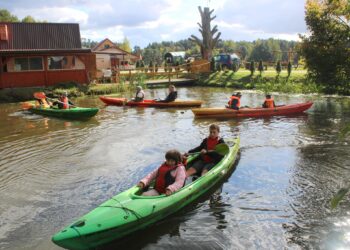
x: 28, y: 19
x: 252, y: 68
x: 326, y: 50
x: 6, y: 16
x: 278, y: 68
x: 125, y: 45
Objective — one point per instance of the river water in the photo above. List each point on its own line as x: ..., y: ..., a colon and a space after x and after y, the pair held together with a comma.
x: 53, y: 171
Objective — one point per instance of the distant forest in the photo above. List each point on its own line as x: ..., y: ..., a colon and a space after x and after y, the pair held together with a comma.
x: 268, y: 50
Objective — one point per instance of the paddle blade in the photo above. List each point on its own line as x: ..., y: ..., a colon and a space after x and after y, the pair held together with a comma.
x: 338, y: 197
x: 222, y: 149
x: 27, y: 105
x: 39, y: 95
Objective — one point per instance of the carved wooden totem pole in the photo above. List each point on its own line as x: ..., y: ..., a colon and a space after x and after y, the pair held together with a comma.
x: 209, y: 41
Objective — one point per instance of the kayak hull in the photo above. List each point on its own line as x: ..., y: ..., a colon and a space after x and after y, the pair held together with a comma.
x: 251, y: 112
x: 72, y: 113
x: 149, y: 103
x: 128, y: 212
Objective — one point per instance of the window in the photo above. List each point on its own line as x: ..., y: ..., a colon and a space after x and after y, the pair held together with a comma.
x: 62, y: 62
x: 28, y: 63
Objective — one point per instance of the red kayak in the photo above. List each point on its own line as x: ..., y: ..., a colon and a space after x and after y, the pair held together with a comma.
x: 251, y: 112
x: 149, y: 103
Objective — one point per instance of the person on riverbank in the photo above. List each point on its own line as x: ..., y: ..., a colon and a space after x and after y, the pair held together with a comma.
x: 140, y: 95
x: 269, y: 102
x: 209, y: 158
x: 168, y: 178
x: 63, y: 102
x: 171, y: 96
x: 235, y: 101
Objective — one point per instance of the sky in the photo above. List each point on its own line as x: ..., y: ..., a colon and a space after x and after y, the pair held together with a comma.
x: 147, y: 21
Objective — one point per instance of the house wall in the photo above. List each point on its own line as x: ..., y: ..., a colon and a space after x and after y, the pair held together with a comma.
x: 81, y: 69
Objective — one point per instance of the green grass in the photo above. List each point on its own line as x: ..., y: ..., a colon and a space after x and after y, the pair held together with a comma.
x: 268, y: 81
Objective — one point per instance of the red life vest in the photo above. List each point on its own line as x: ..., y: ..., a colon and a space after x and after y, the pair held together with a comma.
x: 65, y: 102
x: 211, y: 143
x: 269, y: 103
x: 164, y: 177
x: 234, y: 98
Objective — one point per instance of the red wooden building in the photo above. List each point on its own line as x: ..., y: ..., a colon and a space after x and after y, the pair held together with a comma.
x: 43, y: 54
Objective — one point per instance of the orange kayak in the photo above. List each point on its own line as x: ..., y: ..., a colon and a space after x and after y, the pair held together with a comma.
x: 150, y: 103
x: 251, y: 112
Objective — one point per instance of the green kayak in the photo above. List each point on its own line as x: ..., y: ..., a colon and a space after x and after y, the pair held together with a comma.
x: 72, y: 113
x: 128, y: 212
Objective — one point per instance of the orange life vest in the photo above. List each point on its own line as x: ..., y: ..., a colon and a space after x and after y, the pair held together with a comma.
x: 269, y: 103
x: 234, y: 98
x: 164, y: 177
x: 65, y: 102
x: 211, y: 143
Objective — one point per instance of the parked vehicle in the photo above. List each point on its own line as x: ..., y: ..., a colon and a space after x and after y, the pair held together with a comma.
x: 227, y: 61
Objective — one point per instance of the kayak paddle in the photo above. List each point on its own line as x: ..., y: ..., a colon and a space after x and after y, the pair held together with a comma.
x: 221, y: 149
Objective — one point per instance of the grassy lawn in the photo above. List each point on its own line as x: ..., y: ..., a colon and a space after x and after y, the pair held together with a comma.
x: 267, y: 82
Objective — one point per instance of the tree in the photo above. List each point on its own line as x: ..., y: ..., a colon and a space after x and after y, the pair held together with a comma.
x: 125, y: 45
x: 261, y: 67
x: 209, y: 41
x: 6, y: 16
x: 252, y: 68
x: 327, y: 49
x: 289, y: 68
x: 278, y: 67
x: 28, y: 19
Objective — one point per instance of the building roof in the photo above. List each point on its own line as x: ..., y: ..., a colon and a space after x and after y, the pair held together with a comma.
x: 112, y: 50
x: 39, y: 36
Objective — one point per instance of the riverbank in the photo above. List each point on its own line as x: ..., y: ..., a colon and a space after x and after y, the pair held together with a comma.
x: 72, y: 89
x: 267, y: 82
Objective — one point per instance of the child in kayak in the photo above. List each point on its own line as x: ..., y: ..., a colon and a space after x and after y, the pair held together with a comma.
x: 139, y: 94
x: 209, y: 158
x: 235, y: 101
x: 169, y: 177
x: 269, y: 102
x: 171, y: 96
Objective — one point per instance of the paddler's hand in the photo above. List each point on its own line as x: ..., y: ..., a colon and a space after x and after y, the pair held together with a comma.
x: 203, y: 151
x: 141, y: 185
x: 168, y: 192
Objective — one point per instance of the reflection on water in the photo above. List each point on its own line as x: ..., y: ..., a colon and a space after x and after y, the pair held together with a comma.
x: 53, y: 171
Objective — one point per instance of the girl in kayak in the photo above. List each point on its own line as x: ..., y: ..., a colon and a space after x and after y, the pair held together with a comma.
x: 235, y: 101
x: 139, y: 94
x: 208, y: 158
x: 171, y: 96
x: 169, y: 177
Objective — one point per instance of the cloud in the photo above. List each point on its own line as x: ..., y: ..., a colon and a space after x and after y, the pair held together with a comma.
x: 145, y: 21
